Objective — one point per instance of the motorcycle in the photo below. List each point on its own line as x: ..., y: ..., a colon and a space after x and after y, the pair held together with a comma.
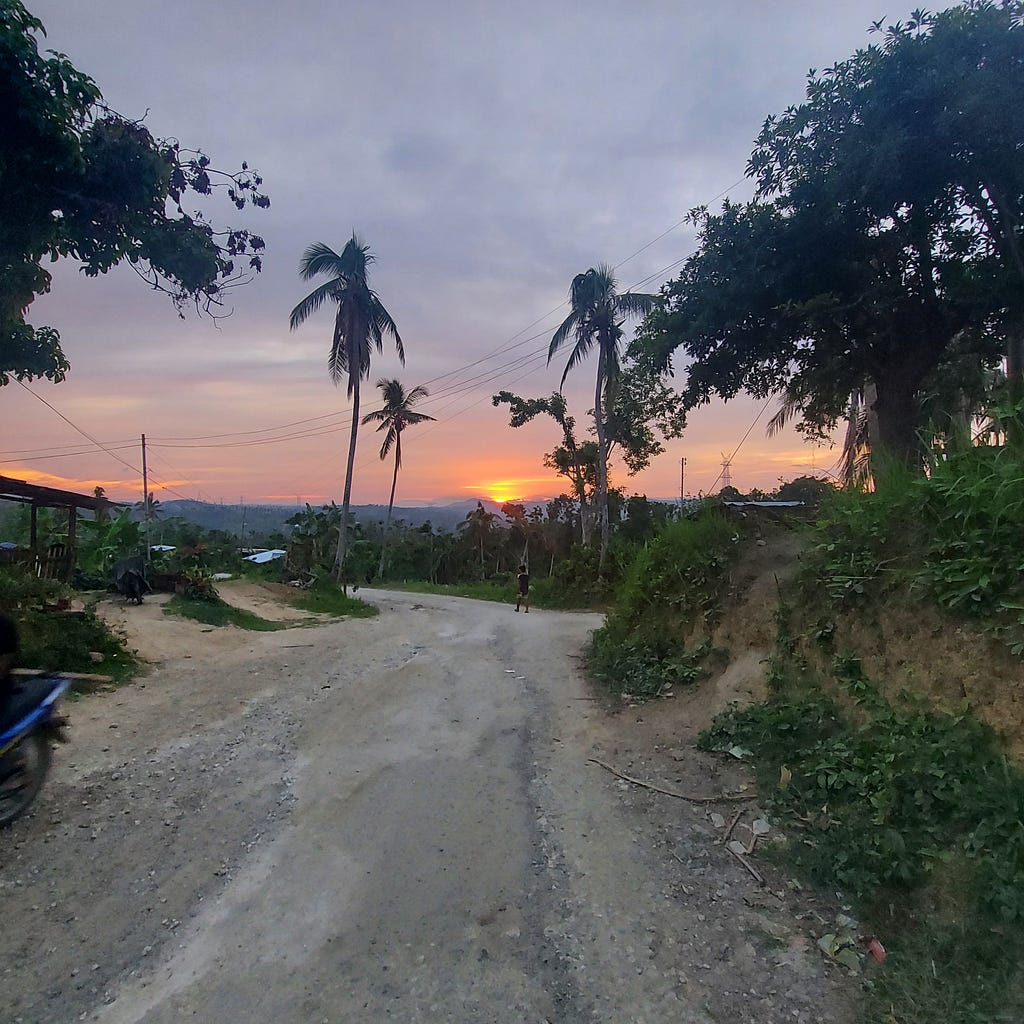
x: 30, y: 725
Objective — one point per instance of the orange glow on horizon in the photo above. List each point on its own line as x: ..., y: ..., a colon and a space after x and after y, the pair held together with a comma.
x: 521, y: 489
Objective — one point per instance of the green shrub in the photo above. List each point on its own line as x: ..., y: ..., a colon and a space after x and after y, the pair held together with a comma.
x: 672, y: 586
x: 954, y: 533
x: 883, y: 799
x: 56, y: 639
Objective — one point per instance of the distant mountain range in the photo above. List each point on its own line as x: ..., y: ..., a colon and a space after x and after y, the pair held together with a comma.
x: 263, y: 520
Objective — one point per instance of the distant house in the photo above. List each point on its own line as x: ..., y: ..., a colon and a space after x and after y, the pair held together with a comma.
x: 260, y: 557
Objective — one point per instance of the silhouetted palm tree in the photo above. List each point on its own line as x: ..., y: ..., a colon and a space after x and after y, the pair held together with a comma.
x: 597, y: 315
x: 360, y: 323
x: 394, y: 417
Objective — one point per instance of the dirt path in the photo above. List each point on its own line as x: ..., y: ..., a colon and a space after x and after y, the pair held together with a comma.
x: 390, y: 819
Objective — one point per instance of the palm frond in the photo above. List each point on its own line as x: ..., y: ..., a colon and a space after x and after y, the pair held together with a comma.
x: 311, y: 303
x: 579, y: 352
x: 568, y: 325
x: 787, y: 410
x: 635, y: 303
x: 389, y: 440
x: 385, y: 325
x: 320, y: 258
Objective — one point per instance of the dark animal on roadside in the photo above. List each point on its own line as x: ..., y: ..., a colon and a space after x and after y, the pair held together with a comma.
x: 130, y: 578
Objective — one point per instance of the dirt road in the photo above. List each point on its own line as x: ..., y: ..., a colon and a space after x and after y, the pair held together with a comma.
x: 395, y: 819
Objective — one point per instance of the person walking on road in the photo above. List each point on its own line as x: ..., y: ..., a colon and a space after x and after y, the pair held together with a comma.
x: 523, y: 597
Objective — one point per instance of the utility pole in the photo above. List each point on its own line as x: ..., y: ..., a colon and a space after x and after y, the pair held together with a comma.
x: 682, y: 482
x: 145, y: 498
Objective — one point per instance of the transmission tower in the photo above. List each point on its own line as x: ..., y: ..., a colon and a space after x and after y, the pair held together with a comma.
x: 726, y: 475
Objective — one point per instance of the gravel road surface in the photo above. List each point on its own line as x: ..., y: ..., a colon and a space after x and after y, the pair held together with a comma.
x: 390, y: 819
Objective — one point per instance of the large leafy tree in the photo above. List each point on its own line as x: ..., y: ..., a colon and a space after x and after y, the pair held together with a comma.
x: 360, y: 323
x: 597, y: 313
x: 80, y: 181
x: 860, y: 268
x: 393, y: 418
x: 934, y: 110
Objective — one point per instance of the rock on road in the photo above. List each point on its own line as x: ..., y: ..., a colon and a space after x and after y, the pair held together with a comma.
x: 384, y: 819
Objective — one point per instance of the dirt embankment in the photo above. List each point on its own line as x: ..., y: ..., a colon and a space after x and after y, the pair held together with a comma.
x: 906, y: 645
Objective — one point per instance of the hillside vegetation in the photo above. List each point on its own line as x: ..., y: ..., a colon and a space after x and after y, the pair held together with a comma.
x: 883, y: 712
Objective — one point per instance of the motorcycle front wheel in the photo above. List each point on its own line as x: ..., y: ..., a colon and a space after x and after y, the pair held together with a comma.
x: 22, y: 772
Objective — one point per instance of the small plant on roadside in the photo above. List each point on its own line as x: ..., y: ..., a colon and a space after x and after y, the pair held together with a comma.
x: 196, y: 584
x: 326, y: 598
x: 215, y: 612
x: 882, y: 800
x: 670, y: 592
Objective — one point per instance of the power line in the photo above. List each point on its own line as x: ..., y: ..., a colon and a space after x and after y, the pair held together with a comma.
x: 342, y: 421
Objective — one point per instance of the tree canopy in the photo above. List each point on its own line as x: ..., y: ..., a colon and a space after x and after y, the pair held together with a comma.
x: 880, y: 249
x: 80, y: 181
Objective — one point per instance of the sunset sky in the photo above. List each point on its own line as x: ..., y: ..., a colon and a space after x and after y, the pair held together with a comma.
x: 487, y: 152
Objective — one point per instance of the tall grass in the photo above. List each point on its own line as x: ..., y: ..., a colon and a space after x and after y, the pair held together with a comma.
x: 670, y: 589
x: 955, y: 533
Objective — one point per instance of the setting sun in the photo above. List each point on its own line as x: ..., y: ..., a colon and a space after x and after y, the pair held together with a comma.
x: 521, y: 489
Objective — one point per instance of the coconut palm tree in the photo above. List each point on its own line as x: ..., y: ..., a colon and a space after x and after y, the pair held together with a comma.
x: 394, y: 417
x: 597, y: 314
x: 360, y: 323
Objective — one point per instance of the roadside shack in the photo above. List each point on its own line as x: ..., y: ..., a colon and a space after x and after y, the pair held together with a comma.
x: 55, y: 560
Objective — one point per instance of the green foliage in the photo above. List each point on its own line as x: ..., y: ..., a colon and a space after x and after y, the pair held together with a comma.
x: 809, y: 489
x: 670, y: 589
x: 883, y: 245
x: 577, y: 576
x: 79, y: 181
x: 918, y: 817
x: 954, y: 534
x: 643, y: 668
x: 20, y: 588
x: 52, y: 638
x: 216, y: 612
x: 196, y: 584
x: 326, y: 598
x: 679, y: 575
x: 974, y: 563
x: 103, y: 542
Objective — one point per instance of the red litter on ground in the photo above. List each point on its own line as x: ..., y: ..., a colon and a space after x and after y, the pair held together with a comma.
x: 877, y: 950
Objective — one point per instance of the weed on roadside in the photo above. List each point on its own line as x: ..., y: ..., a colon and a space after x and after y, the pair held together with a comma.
x: 218, y: 613
x: 328, y: 599
x: 919, y: 819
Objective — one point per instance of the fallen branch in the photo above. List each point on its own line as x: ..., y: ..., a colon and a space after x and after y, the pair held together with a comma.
x: 758, y: 877
x: 670, y: 792
x: 732, y: 825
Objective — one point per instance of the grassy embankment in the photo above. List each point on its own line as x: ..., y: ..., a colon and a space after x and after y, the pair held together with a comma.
x: 893, y: 790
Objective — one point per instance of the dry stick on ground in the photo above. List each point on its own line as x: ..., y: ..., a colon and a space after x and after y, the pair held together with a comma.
x: 758, y: 877
x: 669, y: 792
x: 732, y: 825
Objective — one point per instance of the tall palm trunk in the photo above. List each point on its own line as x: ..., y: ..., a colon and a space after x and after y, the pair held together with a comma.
x: 391, y: 504
x: 340, y: 575
x: 602, y: 466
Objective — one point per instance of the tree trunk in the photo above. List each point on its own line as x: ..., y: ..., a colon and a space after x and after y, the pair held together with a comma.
x: 899, y: 442
x: 1015, y: 383
x: 391, y: 504
x: 340, y: 575
x: 602, y: 466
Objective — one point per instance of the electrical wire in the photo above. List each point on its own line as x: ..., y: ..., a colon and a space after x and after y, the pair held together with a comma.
x: 332, y: 423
